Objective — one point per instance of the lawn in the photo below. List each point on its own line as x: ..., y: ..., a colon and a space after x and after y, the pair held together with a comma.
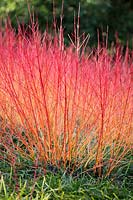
x: 29, y: 183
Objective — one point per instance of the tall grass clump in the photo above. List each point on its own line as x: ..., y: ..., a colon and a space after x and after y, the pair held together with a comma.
x: 63, y: 107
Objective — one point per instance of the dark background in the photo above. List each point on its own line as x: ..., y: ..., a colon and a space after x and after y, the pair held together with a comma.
x: 114, y: 15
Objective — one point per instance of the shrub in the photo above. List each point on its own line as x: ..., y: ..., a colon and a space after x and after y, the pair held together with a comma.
x: 62, y: 108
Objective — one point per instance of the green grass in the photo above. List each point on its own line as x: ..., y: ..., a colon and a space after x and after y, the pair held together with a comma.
x: 27, y: 182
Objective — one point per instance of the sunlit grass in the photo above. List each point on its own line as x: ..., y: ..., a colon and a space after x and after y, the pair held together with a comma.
x: 61, y: 185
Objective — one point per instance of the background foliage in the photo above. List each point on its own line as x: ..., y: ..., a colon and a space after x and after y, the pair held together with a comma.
x: 117, y: 15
